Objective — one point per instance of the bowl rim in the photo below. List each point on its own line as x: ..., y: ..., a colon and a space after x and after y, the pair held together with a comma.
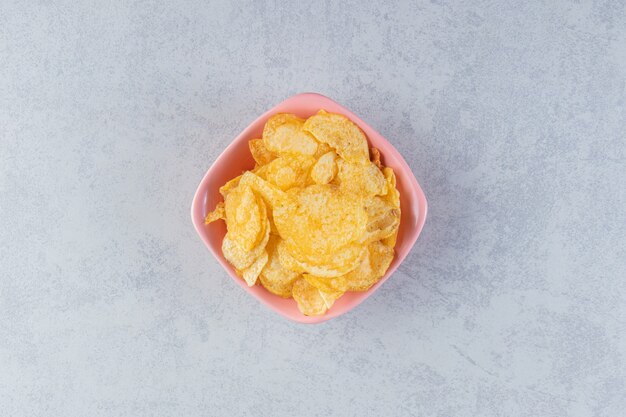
x: 199, y: 202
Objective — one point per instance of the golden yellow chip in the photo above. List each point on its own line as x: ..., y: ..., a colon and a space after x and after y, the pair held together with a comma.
x: 325, y: 168
x: 283, y: 134
x: 319, y: 219
x: 309, y: 300
x: 371, y: 269
x: 274, y: 277
x: 343, y: 260
x: 341, y: 134
x: 229, y: 186
x: 362, y: 179
x: 329, y: 285
x: 217, y: 214
x: 251, y: 273
x: 260, y: 153
x: 245, y: 217
x: 271, y: 194
x: 287, y: 172
x: 240, y: 258
x: 393, y: 197
x: 375, y: 157
x: 383, y: 220
x: 330, y: 297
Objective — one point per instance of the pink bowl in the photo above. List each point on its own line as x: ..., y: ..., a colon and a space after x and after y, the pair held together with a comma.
x: 236, y: 158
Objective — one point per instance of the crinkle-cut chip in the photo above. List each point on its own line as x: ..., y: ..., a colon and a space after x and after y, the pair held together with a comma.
x: 308, y: 298
x: 325, y: 168
x: 287, y: 172
x: 361, y: 179
x: 218, y: 214
x: 329, y: 285
x: 283, y: 134
x: 319, y: 219
x: 229, y: 186
x: 274, y: 277
x: 393, y: 195
x: 240, y: 258
x: 251, y: 273
x: 245, y: 217
x: 341, y: 134
x: 383, y: 220
x: 271, y: 194
x: 260, y: 153
x: 371, y: 269
x: 375, y: 157
x: 341, y: 262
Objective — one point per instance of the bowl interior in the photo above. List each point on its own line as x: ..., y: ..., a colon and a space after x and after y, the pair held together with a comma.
x: 236, y: 158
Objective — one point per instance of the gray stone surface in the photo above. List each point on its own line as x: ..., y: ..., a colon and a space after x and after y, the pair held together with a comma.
x: 513, y: 119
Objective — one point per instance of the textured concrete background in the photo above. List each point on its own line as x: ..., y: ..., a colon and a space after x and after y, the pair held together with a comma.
x: 513, y: 119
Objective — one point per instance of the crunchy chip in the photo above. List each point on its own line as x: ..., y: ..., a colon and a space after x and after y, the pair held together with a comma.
x: 218, y: 214
x: 363, y: 179
x: 329, y: 285
x: 341, y: 134
x: 260, y: 153
x: 375, y: 157
x: 283, y: 134
x: 251, y: 273
x: 325, y: 168
x: 229, y: 186
x: 237, y: 256
x: 371, y: 269
x: 309, y: 300
x: 288, y: 172
x: 274, y: 277
x: 245, y: 217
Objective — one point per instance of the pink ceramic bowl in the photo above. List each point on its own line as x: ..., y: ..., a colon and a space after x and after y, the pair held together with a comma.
x: 236, y: 158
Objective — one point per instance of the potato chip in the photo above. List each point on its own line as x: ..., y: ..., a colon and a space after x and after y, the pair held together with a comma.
x: 322, y: 148
x: 329, y: 285
x: 245, y: 217
x: 362, y: 179
x: 240, y: 258
x: 341, y: 134
x: 375, y: 157
x: 274, y: 277
x: 260, y: 153
x: 251, y: 273
x: 288, y: 172
x: 217, y: 214
x: 393, y: 197
x: 283, y: 134
x: 325, y: 168
x: 329, y: 298
x: 319, y: 219
x: 383, y: 220
x: 271, y: 194
x: 371, y: 269
x: 341, y: 262
x: 308, y: 298
x: 229, y: 186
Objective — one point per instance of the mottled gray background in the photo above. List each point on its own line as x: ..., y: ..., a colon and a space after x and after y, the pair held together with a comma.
x: 513, y: 119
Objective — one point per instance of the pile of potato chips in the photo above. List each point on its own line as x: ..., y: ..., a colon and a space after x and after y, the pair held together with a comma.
x: 316, y: 217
